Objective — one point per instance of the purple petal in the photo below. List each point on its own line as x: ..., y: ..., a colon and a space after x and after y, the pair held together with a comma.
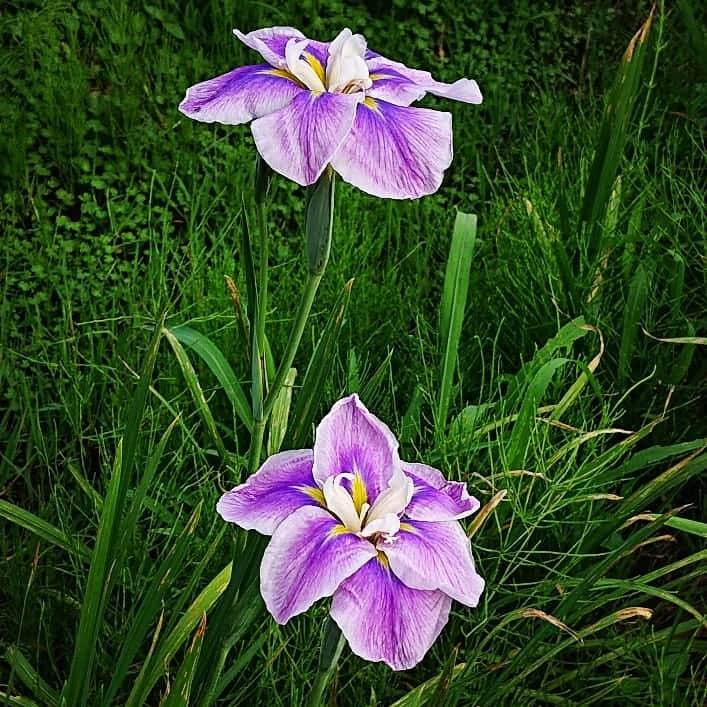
x: 350, y: 439
x: 270, y: 42
x: 435, y: 556
x: 383, y: 620
x: 282, y: 485
x: 310, y: 554
x: 239, y: 96
x: 396, y: 152
x: 396, y: 83
x: 299, y: 140
x: 434, y: 498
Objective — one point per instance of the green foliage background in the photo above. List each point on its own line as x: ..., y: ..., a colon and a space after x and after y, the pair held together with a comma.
x: 114, y: 206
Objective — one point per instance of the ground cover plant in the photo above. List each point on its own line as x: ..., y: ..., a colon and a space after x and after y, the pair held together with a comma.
x: 547, y: 351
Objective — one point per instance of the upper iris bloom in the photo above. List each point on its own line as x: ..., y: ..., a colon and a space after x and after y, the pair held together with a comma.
x: 319, y: 103
x: 351, y: 519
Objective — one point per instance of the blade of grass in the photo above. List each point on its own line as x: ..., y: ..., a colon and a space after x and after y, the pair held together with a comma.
x: 212, y: 356
x: 612, y: 139
x: 30, y: 678
x: 43, y: 529
x: 180, y: 691
x: 310, y: 394
x: 280, y: 414
x: 158, y: 665
x: 633, y: 313
x: 520, y: 437
x: 152, y: 603
x: 104, y: 558
x: 197, y: 393
x: 452, y: 308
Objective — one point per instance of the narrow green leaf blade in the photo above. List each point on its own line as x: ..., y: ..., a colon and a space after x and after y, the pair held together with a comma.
x: 197, y: 393
x: 453, y: 306
x: 43, y: 529
x: 212, y: 356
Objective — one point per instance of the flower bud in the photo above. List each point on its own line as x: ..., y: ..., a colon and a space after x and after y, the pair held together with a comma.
x: 320, y: 221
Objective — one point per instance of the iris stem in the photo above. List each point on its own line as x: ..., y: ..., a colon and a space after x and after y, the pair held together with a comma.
x: 259, y: 370
x: 293, y: 343
x: 332, y: 645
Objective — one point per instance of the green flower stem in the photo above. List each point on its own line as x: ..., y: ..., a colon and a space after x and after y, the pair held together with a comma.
x: 293, y: 343
x: 259, y: 370
x: 332, y: 645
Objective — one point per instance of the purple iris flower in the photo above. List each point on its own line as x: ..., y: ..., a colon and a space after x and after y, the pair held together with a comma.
x: 350, y: 519
x: 338, y: 103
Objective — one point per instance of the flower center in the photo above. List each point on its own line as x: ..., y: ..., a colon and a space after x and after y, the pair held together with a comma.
x: 346, y: 70
x: 382, y: 519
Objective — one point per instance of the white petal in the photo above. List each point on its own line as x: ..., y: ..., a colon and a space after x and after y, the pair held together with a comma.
x: 299, y: 67
x: 393, y: 500
x: 340, y: 503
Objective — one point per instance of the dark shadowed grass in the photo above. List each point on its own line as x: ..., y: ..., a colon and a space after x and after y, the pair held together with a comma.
x: 114, y: 207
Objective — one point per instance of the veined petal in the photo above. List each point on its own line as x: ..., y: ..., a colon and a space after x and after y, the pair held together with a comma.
x: 392, y: 86
x: 427, y: 555
x: 352, y: 440
x: 396, y: 152
x: 383, y: 620
x: 310, y: 554
x: 434, y: 498
x: 282, y: 485
x: 396, y: 83
x: 240, y: 95
x: 299, y: 140
x: 270, y: 43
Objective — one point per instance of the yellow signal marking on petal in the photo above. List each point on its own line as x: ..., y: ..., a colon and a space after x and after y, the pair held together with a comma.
x: 377, y: 77
x: 338, y: 530
x: 407, y: 528
x: 315, y: 493
x: 316, y: 65
x: 358, y: 492
x: 371, y: 103
x: 383, y: 560
x: 283, y: 75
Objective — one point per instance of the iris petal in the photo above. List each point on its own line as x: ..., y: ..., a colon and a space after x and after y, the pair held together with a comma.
x: 428, y: 555
x: 240, y: 95
x: 396, y: 152
x: 299, y: 140
x: 310, y: 554
x: 352, y: 440
x: 283, y: 484
x: 383, y: 620
x: 435, y: 498
x: 396, y: 83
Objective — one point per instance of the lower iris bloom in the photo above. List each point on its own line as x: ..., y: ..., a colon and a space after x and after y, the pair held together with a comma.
x: 319, y: 103
x: 350, y: 519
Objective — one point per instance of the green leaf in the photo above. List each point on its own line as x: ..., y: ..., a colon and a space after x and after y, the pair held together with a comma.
x: 633, y: 313
x: 281, y: 413
x: 613, y: 135
x: 106, y: 553
x: 518, y: 445
x: 75, y: 690
x: 180, y: 690
x: 452, y: 307
x: 158, y: 664
x: 152, y: 603
x: 320, y: 221
x: 30, y: 678
x: 192, y: 381
x: 211, y: 355
x: 44, y: 530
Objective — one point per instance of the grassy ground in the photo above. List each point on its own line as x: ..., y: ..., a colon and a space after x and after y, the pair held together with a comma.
x: 114, y: 207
